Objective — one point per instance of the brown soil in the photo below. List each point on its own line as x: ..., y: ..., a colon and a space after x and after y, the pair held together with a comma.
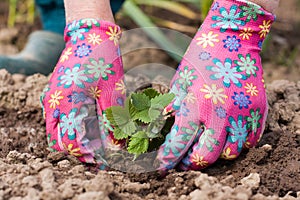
x: 29, y: 171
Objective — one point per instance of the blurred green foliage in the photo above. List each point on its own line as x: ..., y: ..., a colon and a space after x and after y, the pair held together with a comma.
x: 21, y: 11
x: 190, y: 9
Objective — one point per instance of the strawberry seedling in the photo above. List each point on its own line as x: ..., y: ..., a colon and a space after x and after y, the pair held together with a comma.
x: 142, y: 121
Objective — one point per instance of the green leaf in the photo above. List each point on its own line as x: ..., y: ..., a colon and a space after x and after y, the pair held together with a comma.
x: 120, y: 118
x: 140, y: 134
x: 151, y: 93
x: 129, y: 128
x: 119, y: 134
x: 138, y: 143
x: 155, y: 128
x: 143, y: 116
x: 140, y: 101
x: 117, y: 115
x: 128, y: 106
x: 154, y: 113
x: 109, y: 115
x: 163, y: 99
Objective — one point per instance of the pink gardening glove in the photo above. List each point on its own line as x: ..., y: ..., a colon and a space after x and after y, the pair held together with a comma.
x: 221, y: 104
x: 81, y: 87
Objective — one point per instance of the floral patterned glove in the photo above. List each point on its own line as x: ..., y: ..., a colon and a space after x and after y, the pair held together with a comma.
x: 220, y: 104
x: 81, y: 87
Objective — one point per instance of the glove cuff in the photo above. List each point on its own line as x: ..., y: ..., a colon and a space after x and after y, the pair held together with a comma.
x: 76, y: 30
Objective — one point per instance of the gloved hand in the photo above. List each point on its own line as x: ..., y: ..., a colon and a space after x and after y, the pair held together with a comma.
x: 81, y: 87
x: 220, y: 106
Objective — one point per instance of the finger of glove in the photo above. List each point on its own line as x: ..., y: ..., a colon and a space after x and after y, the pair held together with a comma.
x: 255, y: 122
x: 179, y: 140
x: 209, y: 144
x: 105, y: 64
x: 185, y: 129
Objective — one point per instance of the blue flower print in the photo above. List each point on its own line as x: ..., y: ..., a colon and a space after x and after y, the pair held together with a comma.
x: 104, y: 124
x: 215, y: 6
x: 180, y: 94
x: 83, y: 50
x: 89, y: 22
x: 232, y: 43
x: 226, y: 72
x: 56, y: 113
x: 204, y: 56
x: 221, y: 112
x: 251, y: 11
x: 60, y: 69
x: 120, y: 101
x: 237, y: 132
x: 208, y: 139
x: 186, y: 161
x: 246, y: 64
x: 183, y: 111
x: 71, y: 124
x: 74, y: 75
x: 75, y: 32
x: 228, y: 19
x: 119, y: 53
x: 260, y: 44
x: 253, y: 121
x: 173, y: 143
x: 193, y: 131
x: 77, y: 97
x: 186, y: 77
x: 99, y: 68
x: 241, y: 100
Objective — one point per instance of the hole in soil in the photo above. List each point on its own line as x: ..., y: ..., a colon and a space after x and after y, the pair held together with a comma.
x: 114, y: 196
x: 283, y: 192
x: 280, y: 96
x: 283, y: 122
x: 38, y: 187
x: 293, y: 194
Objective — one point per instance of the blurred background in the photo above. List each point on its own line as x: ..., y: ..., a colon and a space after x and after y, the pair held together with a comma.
x: 281, y: 53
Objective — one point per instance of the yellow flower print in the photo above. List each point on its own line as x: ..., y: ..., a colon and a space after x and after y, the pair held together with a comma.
x: 263, y: 81
x: 66, y: 55
x: 250, y: 88
x: 199, y: 160
x: 121, y: 87
x: 115, y: 34
x: 260, y: 136
x: 94, y: 39
x: 208, y: 39
x: 95, y: 92
x: 265, y: 28
x: 71, y: 151
x: 246, y: 33
x: 214, y: 93
x: 55, y: 98
x: 190, y: 98
x: 226, y: 154
x: 247, y: 144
